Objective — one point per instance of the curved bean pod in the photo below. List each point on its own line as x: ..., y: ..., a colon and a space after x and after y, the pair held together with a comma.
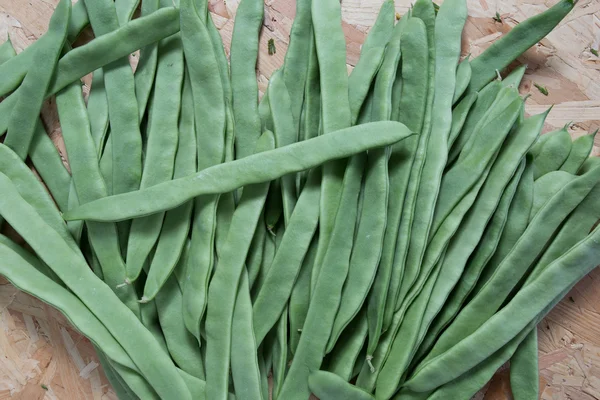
x: 224, y: 178
x: 278, y: 284
x: 524, y: 369
x: 224, y: 284
x: 6, y: 51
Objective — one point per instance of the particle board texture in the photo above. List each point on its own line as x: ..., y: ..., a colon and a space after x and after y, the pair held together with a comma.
x: 43, y: 357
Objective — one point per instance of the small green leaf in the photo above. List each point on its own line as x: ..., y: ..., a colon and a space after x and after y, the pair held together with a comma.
x: 594, y: 51
x: 271, y: 47
x: 44, y: 386
x: 498, y: 17
x: 542, y: 89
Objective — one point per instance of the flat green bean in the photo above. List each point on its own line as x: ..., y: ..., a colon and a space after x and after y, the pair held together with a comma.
x: 515, y: 77
x: 372, y: 52
x: 346, y: 353
x: 277, y: 286
x: 553, y: 154
x: 6, y: 51
x: 209, y: 118
x: 176, y: 226
x: 524, y: 370
x: 244, y: 54
x: 463, y: 77
x: 582, y: 147
x: 335, y: 111
x: 326, y: 296
x: 460, y: 113
x: 224, y: 284
x: 223, y: 178
x: 162, y: 139
x: 90, y: 185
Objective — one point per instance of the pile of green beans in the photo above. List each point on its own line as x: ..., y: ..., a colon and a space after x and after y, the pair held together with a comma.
x: 392, y: 233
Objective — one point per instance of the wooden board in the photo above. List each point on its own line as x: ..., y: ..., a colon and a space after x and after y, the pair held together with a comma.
x: 43, y: 358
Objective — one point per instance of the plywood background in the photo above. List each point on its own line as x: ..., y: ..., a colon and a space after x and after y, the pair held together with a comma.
x: 42, y: 357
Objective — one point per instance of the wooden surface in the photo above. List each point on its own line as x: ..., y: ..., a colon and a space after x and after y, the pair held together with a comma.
x: 41, y: 357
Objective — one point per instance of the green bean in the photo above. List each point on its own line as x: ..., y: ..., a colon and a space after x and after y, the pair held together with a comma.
x: 471, y: 270
x: 6, y: 51
x: 123, y: 112
x: 310, y: 124
x: 30, y: 95
x: 26, y: 278
x: 515, y: 77
x: 463, y: 77
x: 101, y: 51
x: 328, y: 386
x: 469, y: 383
x: 269, y: 250
x: 98, y: 110
x: 447, y: 52
x: 278, y: 284
x: 405, y: 156
x: 176, y: 225
x: 424, y: 11
x: 398, y: 355
x: 372, y: 53
x: 371, y: 231
x: 125, y: 10
x: 34, y: 193
x: 285, y: 133
x: 582, y: 147
x: 244, y: 363
x: 524, y: 370
x: 97, y: 100
x: 182, y: 345
x: 146, y: 68
x: 162, y: 138
x: 280, y: 353
x: 325, y: 298
x: 576, y: 228
x: 546, y: 187
x: 255, y: 255
x: 78, y: 21
x: 505, y: 50
x: 516, y: 263
x: 519, y: 216
x: 533, y: 299
x: 553, y: 153
x: 90, y: 186
x: 149, y: 317
x: 335, y: 111
x: 209, y: 117
x: 466, y: 171
x: 295, y: 66
x: 300, y: 296
x: 244, y: 54
x: 485, y: 99
x: 347, y: 351
x: 221, y: 179
x: 460, y: 113
x: 224, y: 286
x: 74, y: 272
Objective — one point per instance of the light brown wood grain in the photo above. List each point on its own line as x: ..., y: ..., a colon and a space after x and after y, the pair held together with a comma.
x: 569, y: 337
